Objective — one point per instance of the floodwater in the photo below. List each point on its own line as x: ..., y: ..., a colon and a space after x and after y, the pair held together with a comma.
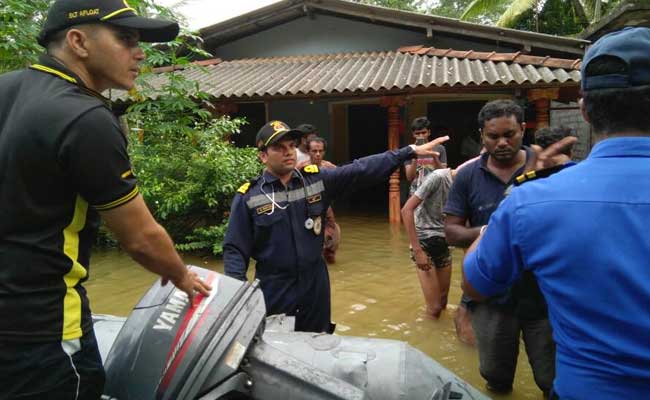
x: 375, y: 293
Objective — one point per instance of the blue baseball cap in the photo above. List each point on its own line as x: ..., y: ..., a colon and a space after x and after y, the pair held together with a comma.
x: 631, y: 46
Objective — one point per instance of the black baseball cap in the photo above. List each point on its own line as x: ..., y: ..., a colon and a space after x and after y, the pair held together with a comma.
x: 66, y: 13
x: 274, y: 131
x: 631, y: 46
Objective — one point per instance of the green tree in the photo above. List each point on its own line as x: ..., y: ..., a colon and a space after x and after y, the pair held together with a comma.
x: 443, y: 8
x: 20, y: 23
x: 455, y: 8
x: 187, y: 169
x: 406, y: 5
x: 548, y: 16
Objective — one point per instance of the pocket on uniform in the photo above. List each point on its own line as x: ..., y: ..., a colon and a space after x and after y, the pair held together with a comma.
x: 265, y: 224
x: 316, y: 209
x: 263, y: 219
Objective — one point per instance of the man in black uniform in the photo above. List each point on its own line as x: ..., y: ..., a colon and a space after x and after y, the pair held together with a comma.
x: 64, y: 164
x: 278, y: 217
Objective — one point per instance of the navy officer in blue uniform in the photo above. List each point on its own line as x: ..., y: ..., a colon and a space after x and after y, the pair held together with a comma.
x: 277, y: 218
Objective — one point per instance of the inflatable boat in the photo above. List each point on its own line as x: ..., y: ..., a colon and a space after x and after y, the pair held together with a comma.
x: 224, y: 347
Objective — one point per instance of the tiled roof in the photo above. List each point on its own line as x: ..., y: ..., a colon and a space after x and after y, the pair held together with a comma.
x: 377, y: 71
x: 518, y: 57
x: 283, y: 11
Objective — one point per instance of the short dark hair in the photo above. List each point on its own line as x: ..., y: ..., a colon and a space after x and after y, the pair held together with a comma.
x: 55, y: 40
x: 545, y: 137
x: 500, y: 108
x: 306, y: 129
x: 420, y: 123
x: 317, y: 139
x: 616, y: 110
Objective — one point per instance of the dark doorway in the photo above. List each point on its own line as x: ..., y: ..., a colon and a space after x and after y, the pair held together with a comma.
x: 458, y: 120
x: 255, y: 114
x: 368, y: 134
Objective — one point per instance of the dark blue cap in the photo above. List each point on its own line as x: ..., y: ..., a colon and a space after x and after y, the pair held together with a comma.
x: 273, y: 132
x: 631, y: 46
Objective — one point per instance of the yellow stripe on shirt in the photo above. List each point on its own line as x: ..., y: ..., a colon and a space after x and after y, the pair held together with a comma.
x: 72, y: 300
x: 118, y: 202
x: 53, y: 72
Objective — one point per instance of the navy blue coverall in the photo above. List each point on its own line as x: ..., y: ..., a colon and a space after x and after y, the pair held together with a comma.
x: 290, y: 266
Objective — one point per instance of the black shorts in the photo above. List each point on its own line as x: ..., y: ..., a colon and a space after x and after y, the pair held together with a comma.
x: 437, y: 249
x: 52, y: 370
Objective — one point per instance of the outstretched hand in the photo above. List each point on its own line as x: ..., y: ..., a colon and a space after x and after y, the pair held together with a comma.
x: 551, y: 156
x: 427, y: 148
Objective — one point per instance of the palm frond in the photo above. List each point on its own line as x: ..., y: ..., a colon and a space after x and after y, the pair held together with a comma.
x: 515, y: 11
x: 478, y: 8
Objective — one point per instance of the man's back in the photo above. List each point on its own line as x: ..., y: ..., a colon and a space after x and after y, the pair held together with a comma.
x: 54, y: 142
x: 599, y: 212
x: 36, y: 110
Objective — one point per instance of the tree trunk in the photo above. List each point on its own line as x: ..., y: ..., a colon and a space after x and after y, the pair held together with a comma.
x: 597, y: 10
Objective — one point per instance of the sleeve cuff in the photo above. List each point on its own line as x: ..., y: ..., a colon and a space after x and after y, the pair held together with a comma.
x: 116, y: 203
x: 454, y: 212
x: 407, y: 153
x: 475, y: 276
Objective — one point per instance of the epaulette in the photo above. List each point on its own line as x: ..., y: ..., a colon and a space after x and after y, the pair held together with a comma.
x: 247, y: 185
x: 244, y: 188
x: 542, y: 173
x: 310, y: 169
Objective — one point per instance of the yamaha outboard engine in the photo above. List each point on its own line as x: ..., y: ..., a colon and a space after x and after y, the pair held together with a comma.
x: 220, y: 349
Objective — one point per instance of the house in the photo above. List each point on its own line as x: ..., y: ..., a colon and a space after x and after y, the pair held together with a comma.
x: 361, y: 73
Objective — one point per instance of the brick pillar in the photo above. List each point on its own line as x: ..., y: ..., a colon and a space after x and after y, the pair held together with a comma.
x: 393, y: 105
x: 542, y: 100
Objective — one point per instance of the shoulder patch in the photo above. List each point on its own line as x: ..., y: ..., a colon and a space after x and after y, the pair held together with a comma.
x: 533, y: 175
x: 311, y: 169
x: 244, y: 188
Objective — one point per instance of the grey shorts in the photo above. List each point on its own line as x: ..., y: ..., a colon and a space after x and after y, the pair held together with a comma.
x: 437, y: 249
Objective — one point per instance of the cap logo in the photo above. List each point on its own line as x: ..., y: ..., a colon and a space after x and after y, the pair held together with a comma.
x: 278, y: 126
x: 83, y: 13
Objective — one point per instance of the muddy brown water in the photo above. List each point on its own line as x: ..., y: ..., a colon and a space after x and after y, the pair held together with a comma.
x: 375, y: 293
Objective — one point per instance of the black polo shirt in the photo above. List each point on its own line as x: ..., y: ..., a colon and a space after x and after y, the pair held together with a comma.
x: 62, y: 158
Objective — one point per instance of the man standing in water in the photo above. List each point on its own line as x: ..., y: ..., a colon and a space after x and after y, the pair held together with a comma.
x: 425, y: 225
x: 478, y: 189
x: 277, y: 220
x: 64, y: 164
x: 583, y: 233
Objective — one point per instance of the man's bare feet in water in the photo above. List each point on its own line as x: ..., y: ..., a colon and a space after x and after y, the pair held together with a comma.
x: 433, y: 312
x: 463, y: 324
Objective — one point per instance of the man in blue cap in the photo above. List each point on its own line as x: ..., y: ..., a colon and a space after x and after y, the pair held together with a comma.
x: 583, y: 234
x: 64, y: 164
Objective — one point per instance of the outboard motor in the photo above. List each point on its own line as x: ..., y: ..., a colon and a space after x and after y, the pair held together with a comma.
x: 220, y: 349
